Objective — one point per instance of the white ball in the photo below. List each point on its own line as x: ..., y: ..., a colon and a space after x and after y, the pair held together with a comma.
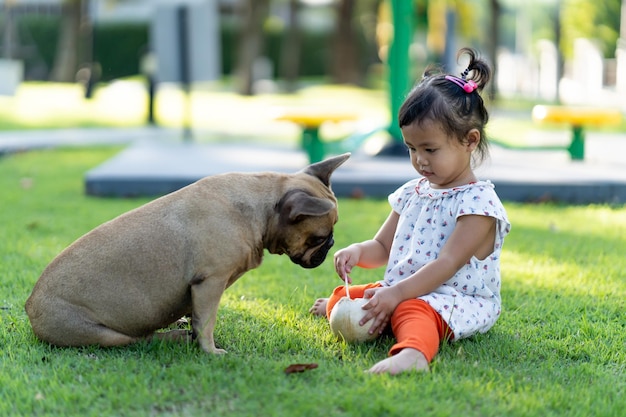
x: 344, y: 321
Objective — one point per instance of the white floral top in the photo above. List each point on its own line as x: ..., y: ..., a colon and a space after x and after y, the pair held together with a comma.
x: 469, y: 302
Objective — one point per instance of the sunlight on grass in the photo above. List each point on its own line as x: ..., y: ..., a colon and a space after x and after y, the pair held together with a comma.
x: 223, y: 114
x: 229, y: 114
x: 509, y: 130
x: 63, y: 105
x: 574, y: 250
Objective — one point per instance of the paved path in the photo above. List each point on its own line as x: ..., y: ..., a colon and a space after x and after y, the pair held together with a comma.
x: 155, y: 162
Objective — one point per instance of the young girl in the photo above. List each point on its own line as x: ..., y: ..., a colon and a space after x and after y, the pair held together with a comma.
x: 443, y: 238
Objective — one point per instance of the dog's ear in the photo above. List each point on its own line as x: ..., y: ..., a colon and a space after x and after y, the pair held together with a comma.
x: 297, y: 204
x: 324, y: 169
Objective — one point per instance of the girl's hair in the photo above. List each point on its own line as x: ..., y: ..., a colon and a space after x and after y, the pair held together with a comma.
x: 442, y: 98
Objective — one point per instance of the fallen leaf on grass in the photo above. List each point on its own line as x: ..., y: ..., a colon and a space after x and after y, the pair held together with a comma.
x: 299, y: 367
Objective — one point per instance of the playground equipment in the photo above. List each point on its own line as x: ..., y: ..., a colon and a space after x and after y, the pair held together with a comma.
x: 310, y: 120
x: 398, y: 66
x: 578, y: 118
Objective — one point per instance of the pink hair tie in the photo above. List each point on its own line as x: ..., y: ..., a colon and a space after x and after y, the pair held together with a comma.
x: 467, y: 86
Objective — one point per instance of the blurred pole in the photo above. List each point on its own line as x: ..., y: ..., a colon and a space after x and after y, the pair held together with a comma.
x: 151, y: 96
x: 7, y: 45
x: 622, y: 20
x: 398, y: 62
x: 185, y: 75
x: 559, y: 53
x: 184, y: 49
x: 86, y: 72
x: 449, y: 51
x: 493, y: 46
x: 620, y: 53
x: 148, y: 67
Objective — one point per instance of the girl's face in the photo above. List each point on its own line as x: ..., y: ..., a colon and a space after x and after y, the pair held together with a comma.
x: 443, y: 160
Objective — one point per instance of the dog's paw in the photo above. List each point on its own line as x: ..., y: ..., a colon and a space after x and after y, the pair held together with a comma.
x: 209, y: 347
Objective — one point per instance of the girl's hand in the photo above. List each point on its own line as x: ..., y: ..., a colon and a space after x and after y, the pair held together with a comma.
x: 382, y: 303
x: 345, y: 260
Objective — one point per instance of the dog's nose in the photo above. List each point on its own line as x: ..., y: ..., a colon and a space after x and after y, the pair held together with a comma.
x: 320, y: 255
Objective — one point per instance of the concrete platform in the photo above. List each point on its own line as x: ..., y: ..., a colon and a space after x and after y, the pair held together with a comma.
x: 156, y: 166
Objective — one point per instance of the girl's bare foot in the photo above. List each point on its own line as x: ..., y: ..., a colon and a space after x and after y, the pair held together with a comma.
x: 319, y: 307
x: 406, y: 360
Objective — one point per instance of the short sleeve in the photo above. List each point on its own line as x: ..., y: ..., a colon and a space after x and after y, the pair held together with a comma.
x: 482, y: 200
x: 400, y: 198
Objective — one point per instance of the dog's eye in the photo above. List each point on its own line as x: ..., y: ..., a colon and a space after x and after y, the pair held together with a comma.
x: 315, y: 241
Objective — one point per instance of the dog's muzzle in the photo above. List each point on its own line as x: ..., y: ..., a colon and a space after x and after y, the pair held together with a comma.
x: 318, y: 257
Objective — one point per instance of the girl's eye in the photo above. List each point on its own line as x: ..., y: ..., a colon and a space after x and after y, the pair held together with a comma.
x: 430, y: 150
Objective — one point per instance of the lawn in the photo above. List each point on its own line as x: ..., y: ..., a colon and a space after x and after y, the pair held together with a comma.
x: 557, y: 350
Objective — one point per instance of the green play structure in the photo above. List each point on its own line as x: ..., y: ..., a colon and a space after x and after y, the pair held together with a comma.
x: 399, y: 85
x: 398, y: 71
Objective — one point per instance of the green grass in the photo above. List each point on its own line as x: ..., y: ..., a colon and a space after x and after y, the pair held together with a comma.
x: 557, y: 350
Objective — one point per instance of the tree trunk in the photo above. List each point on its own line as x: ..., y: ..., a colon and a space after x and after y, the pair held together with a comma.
x: 66, y: 58
x: 493, y: 45
x: 290, y: 55
x: 250, y: 43
x: 345, y: 56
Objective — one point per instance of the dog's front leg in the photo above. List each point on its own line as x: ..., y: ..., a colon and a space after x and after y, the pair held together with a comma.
x: 205, y: 298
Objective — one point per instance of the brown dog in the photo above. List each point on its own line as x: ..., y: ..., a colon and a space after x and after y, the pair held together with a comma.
x: 176, y: 255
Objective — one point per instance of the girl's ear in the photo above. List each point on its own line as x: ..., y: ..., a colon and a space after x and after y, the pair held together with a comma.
x: 472, y: 139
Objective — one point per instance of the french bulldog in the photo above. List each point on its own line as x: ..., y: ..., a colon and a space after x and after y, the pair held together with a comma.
x: 175, y: 256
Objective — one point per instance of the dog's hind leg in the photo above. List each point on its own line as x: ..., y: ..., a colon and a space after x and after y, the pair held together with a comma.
x: 63, y: 324
x: 106, y: 337
x: 86, y: 334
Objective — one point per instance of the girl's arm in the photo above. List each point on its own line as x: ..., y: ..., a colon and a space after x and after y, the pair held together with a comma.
x: 370, y: 253
x: 473, y: 235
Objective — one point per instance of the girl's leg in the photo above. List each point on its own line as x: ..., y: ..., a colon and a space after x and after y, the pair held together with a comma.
x: 419, y: 330
x: 356, y: 291
x: 323, y: 306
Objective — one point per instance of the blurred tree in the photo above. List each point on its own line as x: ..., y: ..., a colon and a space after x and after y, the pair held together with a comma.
x: 290, y: 54
x: 344, y: 64
x: 255, y: 13
x: 493, y: 44
x: 66, y: 58
x: 597, y: 20
x: 354, y: 40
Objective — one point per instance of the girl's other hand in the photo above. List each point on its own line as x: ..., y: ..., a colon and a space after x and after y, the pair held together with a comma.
x: 381, y: 305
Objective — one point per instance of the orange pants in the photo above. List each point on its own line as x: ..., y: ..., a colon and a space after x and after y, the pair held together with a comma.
x: 414, y: 323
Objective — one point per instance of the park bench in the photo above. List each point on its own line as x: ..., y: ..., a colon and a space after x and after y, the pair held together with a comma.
x: 578, y: 118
